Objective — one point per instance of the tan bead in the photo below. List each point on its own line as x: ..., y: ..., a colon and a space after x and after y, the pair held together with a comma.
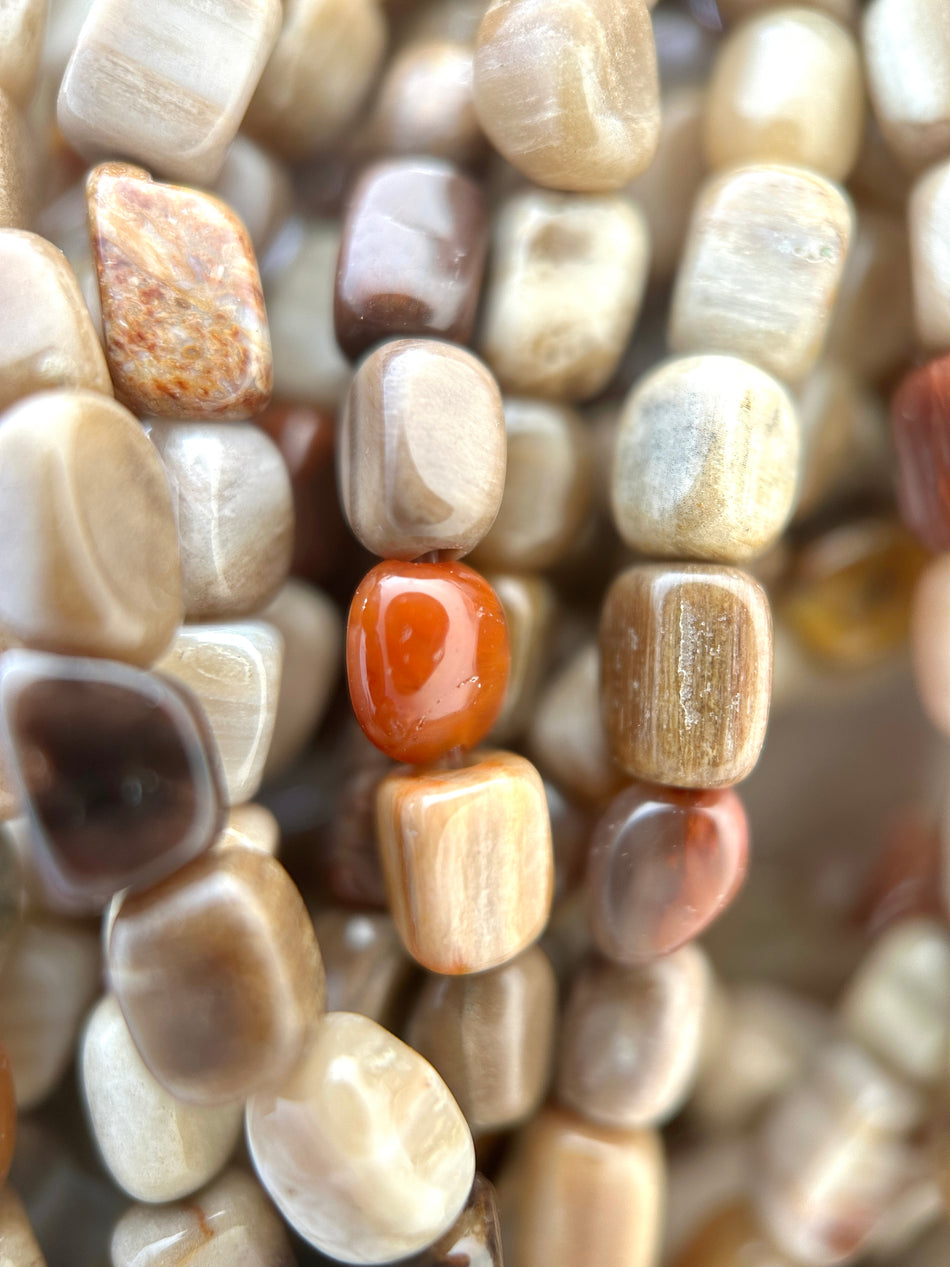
x: 761, y: 268
x: 367, y: 969
x: 252, y: 827
x: 468, y: 862
x: 787, y: 87
x: 421, y: 450
x: 362, y: 1148
x: 929, y: 225
x: 318, y: 74
x: 930, y: 614
x: 844, y: 437
x: 235, y: 515
x: 17, y: 167
x: 564, y: 290
x: 703, y: 1177
x: 529, y: 604
x: 731, y: 1238
x: 568, y: 92
x: 491, y: 1037
x: 687, y: 665
x: 706, y: 461
x: 48, y: 339
x: 96, y: 570
x: 234, y: 671
x: 18, y: 1244
x: 257, y: 187
x: 167, y: 86
x: 22, y: 23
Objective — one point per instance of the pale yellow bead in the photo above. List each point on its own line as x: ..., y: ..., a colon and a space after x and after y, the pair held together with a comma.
x: 907, y: 53
x: 929, y: 226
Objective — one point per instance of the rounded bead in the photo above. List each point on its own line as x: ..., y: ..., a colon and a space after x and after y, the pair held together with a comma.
x: 920, y: 418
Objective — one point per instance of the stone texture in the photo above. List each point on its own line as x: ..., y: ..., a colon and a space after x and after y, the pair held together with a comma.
x: 18, y: 167
x: 362, y: 1148
x: 530, y: 605
x: 22, y: 24
x: 928, y: 215
x: 367, y: 969
x: 843, y: 435
x: 182, y: 309
x: 165, y: 85
x: 920, y: 422
x: 18, y: 1244
x: 474, y: 1240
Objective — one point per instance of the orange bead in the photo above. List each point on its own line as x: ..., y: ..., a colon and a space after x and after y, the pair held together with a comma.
x: 427, y: 658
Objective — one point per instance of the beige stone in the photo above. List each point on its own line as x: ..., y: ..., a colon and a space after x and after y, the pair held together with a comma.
x: 256, y: 186
x: 930, y: 614
x: 929, y: 226
x: 22, y: 24
x: 732, y: 11
x: 843, y: 435
x: 18, y: 1244
x: 250, y: 826
x: 529, y: 604
x: 18, y: 167
x: 367, y: 969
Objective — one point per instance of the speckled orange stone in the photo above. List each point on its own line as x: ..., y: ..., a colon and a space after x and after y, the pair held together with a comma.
x: 183, y: 314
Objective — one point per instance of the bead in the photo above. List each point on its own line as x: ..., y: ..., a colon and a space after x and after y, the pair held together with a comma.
x: 182, y: 310
x: 318, y: 74
x: 257, y: 188
x: 474, y: 1240
x: 367, y: 969
x: 22, y: 24
x: 47, y: 339
x: 529, y: 604
x: 663, y: 864
x: 686, y: 699
x: 787, y: 87
x: 117, y: 768
x: 218, y: 975
x: 732, y: 11
x: 421, y: 450
x: 920, y: 418
x: 706, y: 461
x: 234, y: 505
x: 167, y: 87
x: 491, y: 1037
x: 703, y: 1176
x: 426, y: 657
x: 230, y: 1223
x: 468, y: 861
x: 411, y: 255
x: 587, y: 1194
x: 96, y: 570
x: 155, y: 1147
x: 362, y: 1148
x: 928, y: 214
x: 731, y: 1238
x: 17, y: 1241
x: 564, y: 291
x: 630, y: 1039
x: 7, y: 1115
x: 350, y: 868
x: 17, y: 168
x: 568, y: 92
x: 234, y: 672
x: 251, y: 826
x: 930, y: 613
x: 761, y: 268
x: 843, y: 435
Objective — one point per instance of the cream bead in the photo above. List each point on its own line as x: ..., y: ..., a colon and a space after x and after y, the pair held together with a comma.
x: 732, y: 11
x: 930, y: 620
x: 929, y: 226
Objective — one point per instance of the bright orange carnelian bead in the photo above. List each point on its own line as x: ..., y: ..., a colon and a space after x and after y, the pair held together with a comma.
x: 427, y: 658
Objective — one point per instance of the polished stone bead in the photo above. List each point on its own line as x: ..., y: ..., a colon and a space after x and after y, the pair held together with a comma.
x: 17, y: 167
x: 411, y: 255
x: 234, y: 504
x: 7, y: 1115
x: 349, y: 867
x: 732, y: 1237
x: 920, y: 418
x: 706, y: 461
x: 22, y: 24
x: 568, y: 92
x: 234, y: 672
x: 468, y: 861
x: 252, y: 827
x: 474, y: 1240
x: 230, y: 1224
x: 761, y: 268
x: 529, y: 604
x: 928, y: 214
x: 491, y: 1037
x: 686, y: 698
x: 182, y: 310
x: 362, y: 1148
x: 704, y: 1175
x: 318, y: 74
x: 165, y: 85
x: 421, y: 450
x: 663, y: 864
x: 18, y: 1244
x: 843, y: 436
x: 218, y: 975
x: 564, y: 290
x: 930, y: 613
x: 156, y: 1148
x: 257, y: 187
x: 426, y: 657
x: 83, y: 495
x: 367, y: 969
x: 117, y: 768
x: 732, y: 11
x: 48, y: 339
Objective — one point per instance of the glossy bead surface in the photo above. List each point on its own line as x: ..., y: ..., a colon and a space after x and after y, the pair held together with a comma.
x: 474, y: 1240
x: 930, y: 613
x: 663, y: 864
x: 362, y: 1148
x: 218, y: 975
x: 17, y: 1240
x: 182, y: 309
x: 421, y: 450
x: 920, y: 419
x: 22, y: 24
x: 411, y: 255
x: 928, y: 216
x: 426, y: 657
x: 257, y: 188
x: 17, y: 168
x: 530, y: 605
x: 468, y: 861
x: 367, y: 969
x: 686, y: 700
x: 568, y: 93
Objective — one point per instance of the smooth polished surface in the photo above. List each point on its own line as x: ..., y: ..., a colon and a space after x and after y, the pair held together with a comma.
x: 663, y: 864
x: 367, y: 969
x: 928, y: 216
x: 92, y: 566
x: 568, y: 92
x: 686, y: 699
x: 17, y: 167
x: 182, y: 309
x: 421, y: 450
x: 18, y: 1244
x: 252, y: 826
x: 930, y: 619
x: 426, y: 658
x: 362, y: 1148
x: 474, y: 1240
x: 166, y: 85
x: 257, y: 188
x: 761, y: 268
x: 468, y: 861
x: 412, y: 253
x: 705, y: 461
x: 920, y: 421
x: 22, y: 25
x: 844, y: 436
x: 530, y: 607
x: 218, y: 975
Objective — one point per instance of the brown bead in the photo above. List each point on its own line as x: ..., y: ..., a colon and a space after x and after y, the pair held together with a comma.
x: 7, y: 1115
x: 491, y: 1037
x: 529, y: 604
x: 411, y: 255
x: 731, y: 1238
x: 218, y: 975
x: 475, y: 1238
x: 687, y: 666
x: 366, y: 967
x: 920, y: 418
x: 182, y: 309
x: 349, y: 866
